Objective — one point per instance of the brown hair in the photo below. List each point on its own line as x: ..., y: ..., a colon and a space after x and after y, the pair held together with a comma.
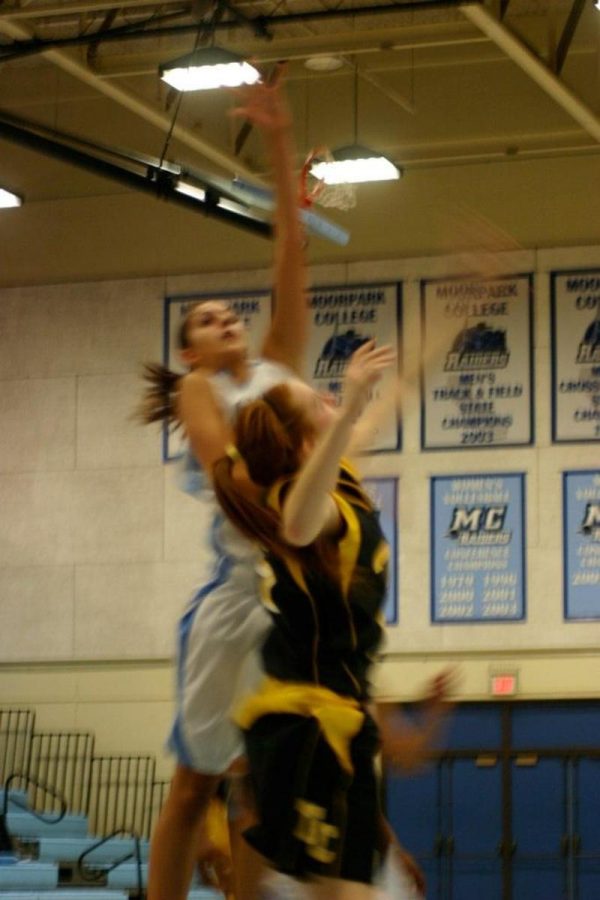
x: 269, y: 433
x: 159, y: 400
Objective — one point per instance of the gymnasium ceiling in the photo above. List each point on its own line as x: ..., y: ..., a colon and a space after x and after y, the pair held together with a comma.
x: 434, y: 86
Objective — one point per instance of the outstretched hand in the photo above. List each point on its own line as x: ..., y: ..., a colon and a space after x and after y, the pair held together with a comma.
x: 264, y: 104
x: 442, y: 686
x: 408, y: 744
x: 366, y: 367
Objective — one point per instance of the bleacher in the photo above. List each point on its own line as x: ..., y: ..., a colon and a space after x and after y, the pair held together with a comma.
x: 59, y: 809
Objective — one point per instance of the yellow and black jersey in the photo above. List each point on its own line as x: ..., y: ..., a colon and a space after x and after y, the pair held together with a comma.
x: 328, y: 627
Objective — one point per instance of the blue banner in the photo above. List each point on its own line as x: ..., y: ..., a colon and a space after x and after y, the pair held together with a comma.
x: 575, y: 299
x: 581, y: 536
x: 478, y: 548
x: 343, y: 318
x: 477, y: 362
x: 384, y: 493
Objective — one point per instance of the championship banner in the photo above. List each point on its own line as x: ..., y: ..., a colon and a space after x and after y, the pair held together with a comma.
x: 477, y: 362
x: 384, y: 494
x: 342, y: 319
x: 478, y: 548
x: 581, y: 542
x: 253, y: 308
x: 575, y: 298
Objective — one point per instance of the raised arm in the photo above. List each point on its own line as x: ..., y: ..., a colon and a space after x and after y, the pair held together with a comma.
x: 406, y: 391
x: 309, y: 509
x: 366, y: 430
x: 265, y: 105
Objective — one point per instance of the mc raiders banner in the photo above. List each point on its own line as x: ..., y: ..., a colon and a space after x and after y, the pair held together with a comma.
x: 478, y: 548
x: 581, y: 542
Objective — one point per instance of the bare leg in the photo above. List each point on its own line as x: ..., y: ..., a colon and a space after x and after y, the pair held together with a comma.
x: 334, y: 889
x: 249, y: 868
x: 176, y: 837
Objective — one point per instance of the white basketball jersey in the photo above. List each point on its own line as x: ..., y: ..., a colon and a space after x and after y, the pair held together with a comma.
x: 264, y: 374
x: 230, y: 394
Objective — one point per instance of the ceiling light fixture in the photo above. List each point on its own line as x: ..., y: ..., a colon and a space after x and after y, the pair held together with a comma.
x: 8, y: 200
x: 325, y: 63
x: 355, y: 163
x: 208, y: 68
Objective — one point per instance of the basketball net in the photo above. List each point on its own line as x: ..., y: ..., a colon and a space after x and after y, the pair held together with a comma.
x: 313, y: 190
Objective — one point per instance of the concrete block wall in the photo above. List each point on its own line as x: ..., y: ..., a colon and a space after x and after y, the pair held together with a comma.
x: 99, y: 549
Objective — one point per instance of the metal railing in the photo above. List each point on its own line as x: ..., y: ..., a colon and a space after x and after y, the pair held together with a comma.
x: 16, y: 729
x: 115, y: 792
x: 89, y: 872
x: 6, y: 840
x: 63, y: 759
x: 120, y: 793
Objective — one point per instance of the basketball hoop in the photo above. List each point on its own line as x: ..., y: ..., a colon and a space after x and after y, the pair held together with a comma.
x: 314, y: 190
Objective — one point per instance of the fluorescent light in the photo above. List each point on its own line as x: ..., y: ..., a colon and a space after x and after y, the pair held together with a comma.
x: 355, y: 164
x: 190, y: 190
x: 355, y: 171
x: 9, y: 200
x: 206, y: 78
x: 230, y: 205
x: 325, y: 63
x: 208, y: 68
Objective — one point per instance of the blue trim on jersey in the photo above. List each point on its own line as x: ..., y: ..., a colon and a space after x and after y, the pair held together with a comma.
x: 191, y: 477
x: 218, y: 548
x: 177, y: 745
x: 223, y: 566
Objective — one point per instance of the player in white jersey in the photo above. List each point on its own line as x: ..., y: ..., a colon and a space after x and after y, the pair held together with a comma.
x: 223, y: 622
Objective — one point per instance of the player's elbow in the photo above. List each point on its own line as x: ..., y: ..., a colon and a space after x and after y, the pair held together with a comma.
x: 298, y: 533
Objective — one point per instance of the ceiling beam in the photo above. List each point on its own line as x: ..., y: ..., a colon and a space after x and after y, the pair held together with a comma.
x: 516, y: 50
x: 134, y: 104
x: 259, y: 24
x: 64, y: 10
x: 163, y: 183
x: 568, y: 34
x: 341, y: 43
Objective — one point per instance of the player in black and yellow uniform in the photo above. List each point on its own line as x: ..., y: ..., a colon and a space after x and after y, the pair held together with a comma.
x: 310, y: 739
x: 317, y: 658
x: 329, y: 627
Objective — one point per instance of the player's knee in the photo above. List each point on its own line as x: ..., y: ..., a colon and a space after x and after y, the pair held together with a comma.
x: 191, y: 792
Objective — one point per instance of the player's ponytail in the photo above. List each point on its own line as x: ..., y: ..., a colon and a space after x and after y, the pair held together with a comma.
x: 159, y: 401
x: 268, y: 438
x: 241, y: 503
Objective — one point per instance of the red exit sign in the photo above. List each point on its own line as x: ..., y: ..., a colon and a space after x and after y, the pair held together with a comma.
x: 503, y: 684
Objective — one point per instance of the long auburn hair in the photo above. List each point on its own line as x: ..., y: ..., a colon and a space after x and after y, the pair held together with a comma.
x: 269, y: 434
